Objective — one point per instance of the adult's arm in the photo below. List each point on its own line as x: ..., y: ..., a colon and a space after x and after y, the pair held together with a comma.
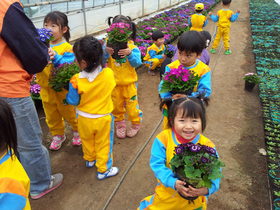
x: 21, y: 36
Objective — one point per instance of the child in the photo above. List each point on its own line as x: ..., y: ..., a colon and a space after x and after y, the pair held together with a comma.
x: 14, y: 182
x: 124, y: 95
x: 205, y: 57
x: 190, y: 46
x: 90, y: 90
x: 224, y: 18
x: 155, y: 53
x: 198, y: 21
x: 52, y: 101
x: 186, y: 118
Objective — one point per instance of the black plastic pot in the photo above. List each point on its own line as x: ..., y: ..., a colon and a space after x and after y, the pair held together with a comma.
x: 116, y: 48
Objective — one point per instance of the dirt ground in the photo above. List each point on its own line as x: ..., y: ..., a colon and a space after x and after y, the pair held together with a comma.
x: 234, y: 125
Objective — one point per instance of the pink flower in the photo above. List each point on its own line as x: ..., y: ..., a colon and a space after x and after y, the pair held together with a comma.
x: 122, y: 31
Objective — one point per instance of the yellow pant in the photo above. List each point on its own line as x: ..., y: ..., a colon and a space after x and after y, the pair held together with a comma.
x: 56, y: 111
x: 156, y: 63
x: 125, y: 98
x: 221, y: 32
x: 97, y: 140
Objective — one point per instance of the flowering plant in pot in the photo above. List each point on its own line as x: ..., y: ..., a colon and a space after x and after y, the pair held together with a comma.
x: 61, y: 75
x: 118, y: 36
x: 45, y: 35
x: 251, y: 79
x: 197, y: 165
x: 169, y: 50
x: 179, y: 80
x: 35, y: 89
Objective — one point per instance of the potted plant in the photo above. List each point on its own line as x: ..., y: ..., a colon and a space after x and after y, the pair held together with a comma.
x: 179, y: 80
x: 118, y: 36
x: 45, y: 35
x: 169, y: 50
x: 251, y: 79
x: 197, y: 165
x: 61, y: 75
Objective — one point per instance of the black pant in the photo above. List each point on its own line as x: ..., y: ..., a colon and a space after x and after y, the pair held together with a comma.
x: 163, y: 65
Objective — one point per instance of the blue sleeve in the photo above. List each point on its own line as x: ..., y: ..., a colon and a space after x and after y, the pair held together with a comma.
x: 205, y: 23
x: 73, y: 97
x: 190, y: 22
x: 21, y: 36
x: 167, y: 94
x: 67, y: 57
x: 215, y: 18
x: 10, y: 201
x: 153, y: 54
x: 234, y: 17
x: 204, y: 85
x: 158, y: 165
x: 106, y: 55
x: 215, y: 184
x: 134, y: 58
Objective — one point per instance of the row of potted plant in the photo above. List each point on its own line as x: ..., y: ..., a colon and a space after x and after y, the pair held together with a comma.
x: 266, y: 41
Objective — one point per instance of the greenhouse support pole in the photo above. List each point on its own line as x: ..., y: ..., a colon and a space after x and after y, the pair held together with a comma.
x: 120, y: 3
x: 158, y: 4
x: 84, y: 14
x: 143, y: 7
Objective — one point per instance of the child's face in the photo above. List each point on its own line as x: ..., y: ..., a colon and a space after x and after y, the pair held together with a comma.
x: 187, y: 127
x: 187, y: 59
x: 56, y: 31
x: 159, y: 42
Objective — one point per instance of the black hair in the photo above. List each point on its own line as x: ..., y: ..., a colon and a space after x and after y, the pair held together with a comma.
x: 199, y: 11
x: 157, y: 35
x: 90, y: 50
x: 226, y: 2
x: 207, y: 37
x: 192, y: 107
x: 124, y: 19
x: 191, y: 42
x: 8, y: 129
x: 59, y: 19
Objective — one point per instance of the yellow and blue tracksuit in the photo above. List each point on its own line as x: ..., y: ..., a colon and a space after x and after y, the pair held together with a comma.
x: 52, y: 101
x: 224, y: 18
x: 154, y: 56
x: 197, y: 22
x: 124, y: 95
x: 95, y: 123
x: 203, y: 85
x: 161, y: 154
x: 14, y: 184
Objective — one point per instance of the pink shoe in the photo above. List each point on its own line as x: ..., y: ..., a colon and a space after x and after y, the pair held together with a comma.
x: 57, y: 142
x: 133, y: 130
x: 121, y: 129
x: 76, y: 141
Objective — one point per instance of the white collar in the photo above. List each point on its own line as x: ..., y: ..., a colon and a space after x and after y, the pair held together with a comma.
x: 90, y: 75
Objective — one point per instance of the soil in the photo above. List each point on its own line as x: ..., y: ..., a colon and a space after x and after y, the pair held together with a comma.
x: 234, y: 124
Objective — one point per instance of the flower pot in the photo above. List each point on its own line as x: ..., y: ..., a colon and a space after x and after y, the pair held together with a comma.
x: 185, y: 179
x: 187, y: 92
x: 249, y: 86
x: 116, y: 48
x: 169, y: 55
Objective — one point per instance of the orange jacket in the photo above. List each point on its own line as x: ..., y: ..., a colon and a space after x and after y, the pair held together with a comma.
x: 21, y: 51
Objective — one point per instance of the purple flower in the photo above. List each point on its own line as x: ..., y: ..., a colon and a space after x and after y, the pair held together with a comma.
x: 178, y: 150
x: 204, y: 159
x: 195, y: 148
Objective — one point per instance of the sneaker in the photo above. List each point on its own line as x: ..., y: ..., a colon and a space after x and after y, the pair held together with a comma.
x: 133, y: 130
x: 111, y: 172
x: 90, y: 164
x: 76, y: 141
x: 57, y: 142
x: 121, y: 129
x: 227, y: 52
x: 56, y: 180
x: 213, y: 51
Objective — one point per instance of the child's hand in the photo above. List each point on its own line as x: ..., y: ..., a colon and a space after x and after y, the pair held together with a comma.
x: 238, y: 11
x: 210, y: 13
x: 52, y: 53
x: 164, y: 56
x: 179, y: 186
x: 109, y: 50
x: 124, y: 52
x: 178, y: 95
x: 193, y: 192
